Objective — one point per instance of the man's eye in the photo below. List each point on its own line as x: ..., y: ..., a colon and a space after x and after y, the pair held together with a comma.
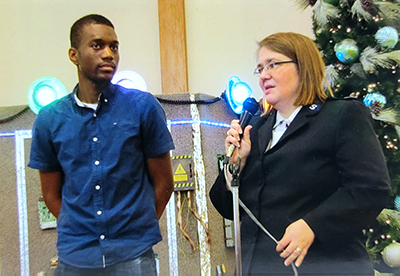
x: 96, y: 46
x: 114, y: 48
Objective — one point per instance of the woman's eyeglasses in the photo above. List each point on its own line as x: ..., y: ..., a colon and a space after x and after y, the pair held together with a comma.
x: 270, y: 66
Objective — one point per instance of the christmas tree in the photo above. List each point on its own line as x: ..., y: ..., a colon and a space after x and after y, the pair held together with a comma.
x: 358, y: 42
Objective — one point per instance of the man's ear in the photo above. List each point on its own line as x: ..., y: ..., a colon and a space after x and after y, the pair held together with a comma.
x: 73, y: 55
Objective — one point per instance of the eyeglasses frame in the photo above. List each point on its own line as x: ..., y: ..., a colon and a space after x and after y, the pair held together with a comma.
x: 272, y: 66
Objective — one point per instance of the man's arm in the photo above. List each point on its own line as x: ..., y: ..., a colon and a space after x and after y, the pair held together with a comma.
x: 51, y: 183
x: 160, y: 171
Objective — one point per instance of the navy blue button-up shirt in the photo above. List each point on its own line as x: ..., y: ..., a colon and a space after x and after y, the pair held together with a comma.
x: 108, y: 201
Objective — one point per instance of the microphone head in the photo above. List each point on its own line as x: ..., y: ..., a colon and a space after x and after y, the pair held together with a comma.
x: 250, y: 105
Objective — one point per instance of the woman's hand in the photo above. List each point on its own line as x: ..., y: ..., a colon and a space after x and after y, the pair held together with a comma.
x: 295, y: 242
x: 243, y: 145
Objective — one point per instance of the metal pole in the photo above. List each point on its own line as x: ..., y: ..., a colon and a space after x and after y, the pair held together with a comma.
x: 236, y: 217
x: 235, y: 169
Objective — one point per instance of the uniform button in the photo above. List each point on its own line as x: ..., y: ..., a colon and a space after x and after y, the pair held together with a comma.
x: 94, y: 115
x: 99, y: 212
x: 97, y: 187
x: 106, y: 100
x: 102, y: 237
x: 95, y: 139
x: 97, y: 162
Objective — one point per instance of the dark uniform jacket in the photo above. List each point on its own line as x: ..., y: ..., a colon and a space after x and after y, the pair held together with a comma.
x: 328, y: 169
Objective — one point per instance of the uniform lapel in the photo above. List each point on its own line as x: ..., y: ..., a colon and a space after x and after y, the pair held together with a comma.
x: 265, y: 131
x: 299, y: 121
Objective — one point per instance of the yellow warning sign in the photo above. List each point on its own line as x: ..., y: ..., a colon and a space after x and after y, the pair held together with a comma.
x: 180, y: 177
x: 180, y: 170
x: 183, y: 175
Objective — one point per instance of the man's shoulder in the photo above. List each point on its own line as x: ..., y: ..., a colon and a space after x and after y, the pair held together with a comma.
x: 58, y: 106
x: 124, y: 91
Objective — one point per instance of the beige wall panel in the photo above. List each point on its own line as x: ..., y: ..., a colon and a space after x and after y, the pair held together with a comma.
x: 221, y: 40
x: 35, y: 41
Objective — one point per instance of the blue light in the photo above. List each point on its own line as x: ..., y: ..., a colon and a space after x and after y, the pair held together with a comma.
x: 236, y: 93
x: 44, y: 91
x: 175, y: 122
x: 205, y: 122
x: 7, y: 134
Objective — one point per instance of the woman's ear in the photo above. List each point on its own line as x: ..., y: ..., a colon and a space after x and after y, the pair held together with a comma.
x: 73, y: 55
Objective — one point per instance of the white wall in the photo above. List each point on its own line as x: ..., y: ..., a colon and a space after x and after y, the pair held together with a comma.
x: 221, y: 40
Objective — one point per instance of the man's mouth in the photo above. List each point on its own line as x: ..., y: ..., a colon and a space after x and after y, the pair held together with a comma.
x: 107, y: 66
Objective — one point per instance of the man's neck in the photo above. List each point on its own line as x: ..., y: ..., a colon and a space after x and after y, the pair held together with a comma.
x: 89, y: 92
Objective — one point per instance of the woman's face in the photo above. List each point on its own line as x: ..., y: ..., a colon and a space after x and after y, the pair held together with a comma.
x: 279, y: 84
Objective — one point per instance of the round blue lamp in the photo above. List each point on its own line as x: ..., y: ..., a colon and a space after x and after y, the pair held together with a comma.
x: 44, y: 91
x: 236, y: 93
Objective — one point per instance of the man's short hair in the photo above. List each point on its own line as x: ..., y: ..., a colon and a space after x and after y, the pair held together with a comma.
x: 76, y: 29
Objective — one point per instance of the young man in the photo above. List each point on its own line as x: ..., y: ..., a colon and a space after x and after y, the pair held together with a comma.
x: 103, y: 157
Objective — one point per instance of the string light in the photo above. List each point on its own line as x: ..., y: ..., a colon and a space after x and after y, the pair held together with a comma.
x: 177, y: 122
x: 205, y: 122
x: 7, y: 134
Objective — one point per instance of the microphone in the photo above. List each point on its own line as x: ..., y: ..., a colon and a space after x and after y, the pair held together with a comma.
x: 250, y: 107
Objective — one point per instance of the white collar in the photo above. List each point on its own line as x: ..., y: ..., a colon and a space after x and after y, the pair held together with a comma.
x: 288, y: 121
x: 82, y: 104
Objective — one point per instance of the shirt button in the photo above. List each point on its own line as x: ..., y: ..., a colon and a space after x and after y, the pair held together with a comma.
x: 102, y: 237
x: 94, y: 115
x: 99, y: 212
x: 97, y: 162
x: 106, y: 100
x: 97, y: 187
x: 95, y: 139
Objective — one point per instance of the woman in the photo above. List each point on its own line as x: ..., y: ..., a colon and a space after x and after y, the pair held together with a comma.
x: 312, y: 170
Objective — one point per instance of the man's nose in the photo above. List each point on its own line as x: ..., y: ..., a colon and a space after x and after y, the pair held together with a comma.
x: 107, y: 53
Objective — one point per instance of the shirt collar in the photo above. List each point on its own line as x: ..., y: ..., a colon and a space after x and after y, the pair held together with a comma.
x: 280, y: 118
x: 106, y: 92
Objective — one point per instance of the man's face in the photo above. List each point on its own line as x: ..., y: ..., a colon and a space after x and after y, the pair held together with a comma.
x: 97, y: 55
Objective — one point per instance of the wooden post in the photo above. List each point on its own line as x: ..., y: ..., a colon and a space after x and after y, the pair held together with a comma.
x: 173, y: 57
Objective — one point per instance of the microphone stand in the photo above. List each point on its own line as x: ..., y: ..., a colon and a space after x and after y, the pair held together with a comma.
x: 234, y: 170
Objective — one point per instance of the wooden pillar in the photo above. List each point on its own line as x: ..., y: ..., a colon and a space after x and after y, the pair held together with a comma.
x: 171, y: 20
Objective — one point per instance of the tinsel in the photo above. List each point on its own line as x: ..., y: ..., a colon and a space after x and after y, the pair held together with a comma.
x: 393, y: 55
x: 388, y: 10
x: 367, y: 4
x: 389, y: 116
x: 323, y: 12
x: 371, y: 59
x: 331, y: 75
x: 344, y: 3
x: 358, y: 69
x: 304, y: 3
x: 358, y: 10
x: 389, y: 215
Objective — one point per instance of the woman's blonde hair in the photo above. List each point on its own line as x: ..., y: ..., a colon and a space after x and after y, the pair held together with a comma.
x: 310, y: 66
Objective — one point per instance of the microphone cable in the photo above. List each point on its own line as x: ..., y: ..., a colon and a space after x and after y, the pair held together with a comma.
x: 256, y: 221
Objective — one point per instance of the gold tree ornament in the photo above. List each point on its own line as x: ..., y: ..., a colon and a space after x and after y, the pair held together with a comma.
x: 391, y: 254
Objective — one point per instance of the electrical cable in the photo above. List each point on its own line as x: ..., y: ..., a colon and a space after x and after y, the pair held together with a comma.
x: 168, y: 101
x: 256, y: 221
x: 12, y: 117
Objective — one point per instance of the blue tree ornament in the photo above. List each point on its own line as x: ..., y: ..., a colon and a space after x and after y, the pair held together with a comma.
x: 347, y: 51
x: 387, y: 37
x: 374, y: 97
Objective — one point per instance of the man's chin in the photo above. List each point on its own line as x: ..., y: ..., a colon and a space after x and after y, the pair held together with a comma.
x: 105, y: 78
